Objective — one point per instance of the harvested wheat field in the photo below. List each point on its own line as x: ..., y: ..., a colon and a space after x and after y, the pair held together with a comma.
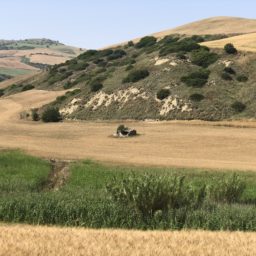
x: 242, y: 42
x: 185, y: 144
x: 28, y: 240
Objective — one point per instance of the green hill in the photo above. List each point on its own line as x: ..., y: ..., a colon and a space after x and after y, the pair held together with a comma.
x: 172, y: 78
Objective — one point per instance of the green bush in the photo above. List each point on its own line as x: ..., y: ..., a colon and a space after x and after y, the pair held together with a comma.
x: 196, y: 79
x: 1, y: 92
x: 226, y: 76
x: 242, y: 78
x: 149, y: 194
x: 203, y: 58
x: 27, y: 87
x: 67, y: 85
x: 163, y: 94
x: 51, y: 114
x: 196, y: 97
x: 35, y: 115
x: 96, y: 86
x: 117, y: 54
x: 181, y: 56
x: 129, y: 67
x: 238, y: 106
x: 183, y: 45
x: 146, y: 42
x: 230, y: 70
x: 130, y: 43
x: 136, y: 76
x: 169, y: 40
x: 230, y: 49
x: 229, y: 190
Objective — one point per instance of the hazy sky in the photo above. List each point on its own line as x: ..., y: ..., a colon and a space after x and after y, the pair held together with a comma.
x: 97, y: 23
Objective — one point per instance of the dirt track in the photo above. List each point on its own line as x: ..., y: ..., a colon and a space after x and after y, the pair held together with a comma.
x: 186, y: 144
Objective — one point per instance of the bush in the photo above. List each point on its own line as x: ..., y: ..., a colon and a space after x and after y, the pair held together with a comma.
x: 238, y: 106
x: 230, y: 49
x: 230, y: 70
x: 196, y: 97
x: 196, y: 79
x: 169, y: 40
x: 51, y: 114
x: 146, y: 42
x: 242, y: 78
x: 117, y: 54
x: 130, y: 43
x: 163, y: 94
x: 203, y: 58
x: 67, y: 85
x: 1, y: 92
x: 129, y: 67
x: 149, y: 194
x: 136, y: 76
x: 35, y: 115
x: 228, y: 190
x: 96, y: 86
x: 226, y: 76
x: 181, y: 56
x: 27, y: 87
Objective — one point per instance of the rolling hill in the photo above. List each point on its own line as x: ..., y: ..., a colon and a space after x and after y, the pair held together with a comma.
x: 176, y: 77
x: 21, y: 57
x: 213, y: 26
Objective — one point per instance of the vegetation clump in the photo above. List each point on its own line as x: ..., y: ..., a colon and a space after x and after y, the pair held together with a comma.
x: 136, y: 76
x: 146, y: 42
x: 238, y: 106
x: 242, y: 78
x: 230, y: 49
x: 51, y: 114
x: 96, y: 86
x: 227, y: 77
x: 229, y: 70
x: 163, y: 94
x: 27, y: 87
x: 196, y: 79
x: 203, y: 58
x: 196, y: 97
x: 1, y: 92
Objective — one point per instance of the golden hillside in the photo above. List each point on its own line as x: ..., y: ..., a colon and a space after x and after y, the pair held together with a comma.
x: 243, y: 42
x: 215, y: 25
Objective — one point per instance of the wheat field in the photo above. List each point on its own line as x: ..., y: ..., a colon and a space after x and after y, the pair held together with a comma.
x: 21, y: 240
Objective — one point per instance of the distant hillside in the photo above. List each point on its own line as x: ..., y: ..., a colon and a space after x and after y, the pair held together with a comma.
x: 245, y: 42
x: 213, y: 26
x: 20, y: 57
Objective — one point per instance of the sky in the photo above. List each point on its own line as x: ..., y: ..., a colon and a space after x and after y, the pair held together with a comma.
x: 93, y: 24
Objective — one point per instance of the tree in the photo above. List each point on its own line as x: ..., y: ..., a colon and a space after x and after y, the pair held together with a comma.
x: 51, y: 114
x: 230, y: 49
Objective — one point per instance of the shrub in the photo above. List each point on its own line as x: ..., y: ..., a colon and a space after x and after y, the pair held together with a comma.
x: 27, y: 87
x: 226, y: 76
x: 35, y: 115
x: 149, y: 194
x: 228, y: 190
x: 96, y: 86
x: 1, y: 92
x: 196, y: 79
x: 67, y: 85
x: 181, y: 56
x: 196, y: 97
x: 88, y: 55
x: 163, y: 94
x: 183, y: 45
x: 51, y: 114
x: 117, y: 54
x: 146, y: 42
x: 238, y: 106
x: 130, y: 43
x: 129, y: 67
x: 230, y: 49
x: 203, y: 58
x: 242, y: 78
x: 230, y: 70
x: 169, y: 40
x: 136, y: 76
x: 61, y: 98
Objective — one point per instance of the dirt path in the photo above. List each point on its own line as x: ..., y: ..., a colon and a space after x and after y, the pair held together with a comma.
x: 186, y: 144
x: 21, y: 240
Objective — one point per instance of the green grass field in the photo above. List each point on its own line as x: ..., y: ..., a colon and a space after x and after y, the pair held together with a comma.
x: 14, y: 72
x: 84, y: 200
